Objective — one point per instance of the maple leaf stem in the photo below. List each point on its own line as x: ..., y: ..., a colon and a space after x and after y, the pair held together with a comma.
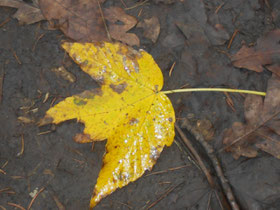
x: 214, y: 90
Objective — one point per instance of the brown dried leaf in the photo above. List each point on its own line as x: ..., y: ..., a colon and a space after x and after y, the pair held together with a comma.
x: 265, y: 53
x: 151, y: 28
x: 83, y: 20
x: 240, y: 148
x: 270, y: 146
x: 253, y: 106
x: 80, y: 20
x: 62, y: 72
x: 117, y: 31
x: 26, y: 13
x: 262, y: 130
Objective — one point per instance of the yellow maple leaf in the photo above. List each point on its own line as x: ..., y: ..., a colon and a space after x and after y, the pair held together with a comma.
x: 128, y: 110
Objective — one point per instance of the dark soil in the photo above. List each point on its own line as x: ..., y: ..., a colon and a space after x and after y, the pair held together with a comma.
x: 68, y: 171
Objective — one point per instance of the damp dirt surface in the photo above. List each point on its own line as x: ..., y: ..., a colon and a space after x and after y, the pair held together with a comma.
x: 195, y: 35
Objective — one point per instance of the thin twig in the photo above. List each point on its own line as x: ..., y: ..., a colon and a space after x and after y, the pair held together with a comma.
x: 209, y: 200
x: 229, y: 101
x: 2, y: 207
x: 124, y: 204
x: 2, y: 75
x: 5, y: 189
x: 164, y: 195
x: 5, y: 21
x: 171, y: 69
x: 59, y: 205
x: 137, y: 5
x: 187, y: 153
x: 219, y: 7
x: 5, y: 164
x: 196, y: 155
x: 2, y: 171
x: 43, y: 133
x: 33, y: 199
x: 123, y: 3
x: 16, y: 57
x: 219, y: 200
x: 210, y: 152
x: 232, y: 38
x: 36, y: 42
x: 16, y: 205
x: 167, y: 170
x: 104, y: 22
x: 22, y: 146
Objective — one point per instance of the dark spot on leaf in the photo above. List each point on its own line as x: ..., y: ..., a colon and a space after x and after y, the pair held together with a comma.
x: 79, y: 102
x: 170, y: 119
x: 133, y: 121
x: 119, y: 88
x: 85, y: 63
x: 90, y: 93
x: 105, y: 122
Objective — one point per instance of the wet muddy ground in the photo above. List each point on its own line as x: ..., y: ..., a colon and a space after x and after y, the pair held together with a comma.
x: 195, y: 35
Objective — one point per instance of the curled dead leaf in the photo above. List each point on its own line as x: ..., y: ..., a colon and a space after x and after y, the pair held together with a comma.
x: 26, y: 13
x: 117, y: 31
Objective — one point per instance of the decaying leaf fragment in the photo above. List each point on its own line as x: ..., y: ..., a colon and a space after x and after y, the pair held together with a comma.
x: 119, y: 32
x: 84, y: 21
x: 151, y: 28
x: 26, y: 13
x: 62, y: 72
x: 262, y: 128
x: 203, y: 126
x: 80, y: 20
x: 128, y: 110
x: 266, y: 53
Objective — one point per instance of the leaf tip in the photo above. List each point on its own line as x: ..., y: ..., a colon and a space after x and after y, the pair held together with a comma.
x: 66, y: 45
x: 95, y: 199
